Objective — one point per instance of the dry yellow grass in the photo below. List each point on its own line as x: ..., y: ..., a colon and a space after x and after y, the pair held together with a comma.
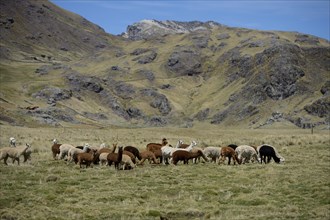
x: 44, y: 188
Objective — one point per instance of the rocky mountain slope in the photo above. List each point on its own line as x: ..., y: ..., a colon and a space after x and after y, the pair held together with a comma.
x: 58, y: 69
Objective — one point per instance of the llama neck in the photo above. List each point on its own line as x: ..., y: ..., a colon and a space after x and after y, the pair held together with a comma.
x: 93, y: 154
x: 164, y: 142
x: 25, y: 149
x: 120, y: 154
x: 85, y: 148
x: 114, y: 148
x: 178, y: 144
x: 190, y: 147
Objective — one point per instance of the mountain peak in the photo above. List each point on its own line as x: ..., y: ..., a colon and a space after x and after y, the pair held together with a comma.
x: 146, y: 29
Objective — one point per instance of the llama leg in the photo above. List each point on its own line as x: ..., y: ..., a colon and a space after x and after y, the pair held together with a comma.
x: 220, y: 159
x: 142, y: 161
x: 229, y: 159
x: 163, y: 159
x: 25, y: 158
x: 5, y: 159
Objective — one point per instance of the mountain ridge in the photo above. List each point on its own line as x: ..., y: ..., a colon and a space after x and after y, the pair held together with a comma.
x: 147, y: 29
x: 193, y: 73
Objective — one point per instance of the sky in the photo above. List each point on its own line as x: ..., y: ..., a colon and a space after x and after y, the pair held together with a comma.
x: 304, y: 16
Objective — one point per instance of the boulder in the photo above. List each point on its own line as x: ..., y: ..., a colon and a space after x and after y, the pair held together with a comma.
x: 53, y: 115
x: 320, y: 107
x: 147, y: 58
x: 147, y: 74
x: 80, y: 82
x: 185, y: 62
x: 53, y: 93
x: 157, y: 121
x: 223, y: 36
x: 108, y: 99
x: 134, y: 113
x: 220, y: 116
x: 306, y: 39
x: 202, y: 114
x: 325, y: 90
x: 158, y: 101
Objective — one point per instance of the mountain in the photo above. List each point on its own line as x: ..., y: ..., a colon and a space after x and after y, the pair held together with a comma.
x: 58, y: 69
x: 147, y: 29
x: 39, y: 30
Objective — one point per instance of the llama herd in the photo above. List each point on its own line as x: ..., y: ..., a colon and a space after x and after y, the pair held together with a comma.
x: 129, y: 157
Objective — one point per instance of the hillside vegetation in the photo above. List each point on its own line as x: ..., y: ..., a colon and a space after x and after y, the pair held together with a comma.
x: 158, y: 74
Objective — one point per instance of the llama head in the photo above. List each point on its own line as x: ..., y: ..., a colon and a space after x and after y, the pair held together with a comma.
x: 12, y: 141
x: 94, y: 152
x: 164, y: 141
x: 277, y: 159
x: 86, y: 147
x: 120, y: 149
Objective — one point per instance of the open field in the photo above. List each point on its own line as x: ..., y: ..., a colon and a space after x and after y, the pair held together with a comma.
x: 48, y: 189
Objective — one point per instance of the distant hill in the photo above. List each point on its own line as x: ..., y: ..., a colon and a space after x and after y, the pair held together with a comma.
x: 58, y: 69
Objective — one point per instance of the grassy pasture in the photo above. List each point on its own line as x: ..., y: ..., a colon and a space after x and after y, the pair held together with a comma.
x: 48, y: 189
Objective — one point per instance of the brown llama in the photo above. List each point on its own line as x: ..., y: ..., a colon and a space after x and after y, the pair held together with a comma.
x: 104, y: 150
x: 185, y: 156
x: 156, y: 148
x: 230, y: 153
x: 55, y: 148
x: 86, y: 158
x: 115, y: 158
x: 148, y: 155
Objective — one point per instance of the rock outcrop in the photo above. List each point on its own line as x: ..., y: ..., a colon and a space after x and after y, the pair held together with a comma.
x: 147, y: 29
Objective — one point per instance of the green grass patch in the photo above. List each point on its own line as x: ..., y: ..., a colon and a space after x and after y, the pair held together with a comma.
x: 297, y: 189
